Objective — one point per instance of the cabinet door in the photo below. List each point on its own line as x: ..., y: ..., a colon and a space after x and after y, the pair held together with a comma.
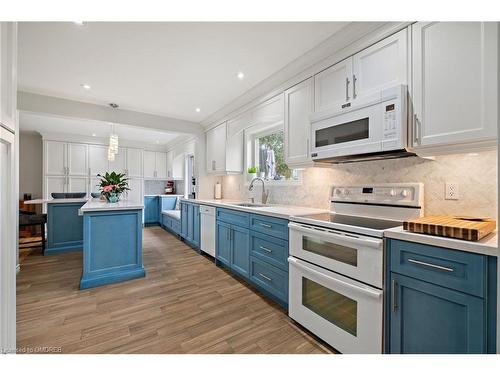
x: 383, y: 65
x: 298, y: 106
x: 170, y: 162
x: 184, y: 220
x: 8, y: 74
x: 333, y: 86
x: 429, y: 319
x: 455, y: 82
x: 190, y: 221
x: 223, y: 243
x: 55, y: 184
x: 240, y: 250
x: 78, y: 184
x: 196, y: 225
x: 98, y: 160
x: 270, y: 111
x: 135, y: 194
x: 77, y: 159
x: 119, y: 164
x: 216, y: 149
x: 161, y: 164
x: 234, y: 144
x: 134, y: 163
x: 55, y: 158
x: 149, y: 164
x: 151, y: 210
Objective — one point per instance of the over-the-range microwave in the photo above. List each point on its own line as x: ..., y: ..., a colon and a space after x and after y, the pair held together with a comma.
x: 371, y: 127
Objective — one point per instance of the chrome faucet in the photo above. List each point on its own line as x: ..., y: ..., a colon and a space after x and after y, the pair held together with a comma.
x: 265, y: 195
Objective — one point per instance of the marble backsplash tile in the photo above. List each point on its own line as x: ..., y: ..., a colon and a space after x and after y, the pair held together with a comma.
x: 477, y: 176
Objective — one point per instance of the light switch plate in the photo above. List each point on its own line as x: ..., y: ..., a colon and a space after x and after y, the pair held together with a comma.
x: 451, y: 191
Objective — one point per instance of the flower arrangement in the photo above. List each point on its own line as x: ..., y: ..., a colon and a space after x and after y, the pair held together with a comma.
x: 112, y: 185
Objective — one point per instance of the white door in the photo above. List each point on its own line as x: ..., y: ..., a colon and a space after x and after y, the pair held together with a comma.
x: 216, y: 149
x: 8, y: 74
x: 77, y: 159
x: 134, y: 163
x: 119, y: 164
x: 299, y: 102
x: 136, y: 187
x: 55, y: 184
x: 455, y: 82
x: 77, y: 184
x: 170, y: 161
x: 149, y: 164
x: 381, y: 66
x: 161, y: 165
x: 333, y: 86
x: 98, y: 160
x: 55, y: 158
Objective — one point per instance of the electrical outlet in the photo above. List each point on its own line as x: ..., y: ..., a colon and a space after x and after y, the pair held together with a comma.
x: 451, y: 191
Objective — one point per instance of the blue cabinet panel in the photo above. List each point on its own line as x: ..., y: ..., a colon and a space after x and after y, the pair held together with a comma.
x: 196, y: 225
x: 168, y: 203
x: 184, y: 219
x: 272, y: 279
x: 240, y: 254
x: 223, y: 243
x: 151, y: 210
x: 269, y: 225
x: 190, y: 227
x: 269, y: 249
x: 427, y: 318
x: 450, y: 268
x: 190, y: 223
x: 233, y: 217
x: 64, y: 227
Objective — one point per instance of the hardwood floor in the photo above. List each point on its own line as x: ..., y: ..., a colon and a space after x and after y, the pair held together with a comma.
x: 185, y: 304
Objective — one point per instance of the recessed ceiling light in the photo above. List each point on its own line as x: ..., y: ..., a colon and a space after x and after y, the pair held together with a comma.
x: 85, y: 86
x: 240, y: 75
x: 79, y: 23
x: 197, y: 110
x: 157, y: 141
x: 93, y: 134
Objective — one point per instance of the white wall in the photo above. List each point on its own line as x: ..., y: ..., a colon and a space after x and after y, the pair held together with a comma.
x: 30, y: 164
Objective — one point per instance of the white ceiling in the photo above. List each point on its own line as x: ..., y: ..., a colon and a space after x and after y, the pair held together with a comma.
x: 163, y: 68
x: 29, y: 122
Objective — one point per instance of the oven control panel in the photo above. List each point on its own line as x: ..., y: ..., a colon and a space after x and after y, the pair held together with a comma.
x: 404, y: 194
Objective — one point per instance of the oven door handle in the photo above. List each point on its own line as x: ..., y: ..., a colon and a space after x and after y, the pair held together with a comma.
x: 350, y: 238
x: 360, y: 289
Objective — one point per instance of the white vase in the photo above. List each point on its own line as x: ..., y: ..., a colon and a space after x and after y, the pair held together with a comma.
x: 251, y: 176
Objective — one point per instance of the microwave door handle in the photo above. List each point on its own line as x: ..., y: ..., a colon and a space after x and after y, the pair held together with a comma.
x: 326, y: 233
x: 367, y: 291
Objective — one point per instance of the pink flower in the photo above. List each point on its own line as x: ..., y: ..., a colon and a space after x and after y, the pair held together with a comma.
x: 107, y: 188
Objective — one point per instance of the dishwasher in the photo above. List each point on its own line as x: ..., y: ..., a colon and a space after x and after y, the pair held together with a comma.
x: 208, y: 229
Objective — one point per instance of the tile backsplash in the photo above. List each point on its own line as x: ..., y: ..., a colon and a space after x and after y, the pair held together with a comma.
x: 476, y: 174
x: 154, y: 187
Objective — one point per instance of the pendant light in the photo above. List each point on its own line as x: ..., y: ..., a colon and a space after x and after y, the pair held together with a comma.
x: 113, y: 138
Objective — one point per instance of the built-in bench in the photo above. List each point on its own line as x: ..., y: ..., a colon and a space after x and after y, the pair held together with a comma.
x: 170, y: 214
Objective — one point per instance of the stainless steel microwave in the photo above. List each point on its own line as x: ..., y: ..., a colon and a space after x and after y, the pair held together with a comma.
x: 370, y: 127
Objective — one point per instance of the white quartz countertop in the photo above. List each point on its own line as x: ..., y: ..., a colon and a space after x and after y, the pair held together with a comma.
x: 276, y: 210
x: 487, y: 245
x: 163, y: 195
x: 52, y: 200
x: 97, y: 205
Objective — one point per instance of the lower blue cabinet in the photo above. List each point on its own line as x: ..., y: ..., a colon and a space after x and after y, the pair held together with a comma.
x: 223, y: 243
x: 233, y: 247
x: 151, y: 210
x: 426, y: 318
x: 190, y: 223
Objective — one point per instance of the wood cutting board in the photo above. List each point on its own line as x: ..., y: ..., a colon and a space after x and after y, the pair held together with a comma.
x: 461, y: 227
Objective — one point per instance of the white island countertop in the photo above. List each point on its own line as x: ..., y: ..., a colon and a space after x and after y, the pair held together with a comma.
x: 276, y: 210
x: 487, y: 245
x: 59, y: 200
x: 95, y: 204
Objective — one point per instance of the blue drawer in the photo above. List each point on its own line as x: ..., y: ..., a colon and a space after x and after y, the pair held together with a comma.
x: 270, y: 226
x: 165, y: 220
x: 269, y: 249
x: 449, y: 268
x: 270, y: 278
x: 233, y: 217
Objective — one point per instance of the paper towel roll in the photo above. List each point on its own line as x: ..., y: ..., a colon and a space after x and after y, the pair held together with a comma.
x: 218, y: 191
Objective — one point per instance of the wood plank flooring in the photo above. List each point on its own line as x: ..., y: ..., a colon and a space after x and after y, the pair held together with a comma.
x: 185, y: 304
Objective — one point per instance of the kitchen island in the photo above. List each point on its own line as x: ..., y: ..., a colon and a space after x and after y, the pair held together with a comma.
x: 112, y: 242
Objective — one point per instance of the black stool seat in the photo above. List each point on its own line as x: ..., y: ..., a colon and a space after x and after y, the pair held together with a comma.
x: 30, y: 219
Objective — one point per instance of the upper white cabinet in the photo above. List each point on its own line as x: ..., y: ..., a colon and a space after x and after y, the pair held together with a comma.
x: 268, y: 112
x: 216, y: 149
x: 299, y: 102
x: 134, y: 163
x: 170, y: 161
x: 234, y: 142
x: 136, y: 186
x: 55, y: 158
x: 8, y: 74
x: 375, y: 68
x: 98, y: 160
x: 455, y: 86
x: 119, y: 165
x: 178, y: 166
x: 155, y: 164
x: 77, y: 159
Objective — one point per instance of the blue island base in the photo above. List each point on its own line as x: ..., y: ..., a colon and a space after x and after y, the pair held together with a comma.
x: 93, y: 281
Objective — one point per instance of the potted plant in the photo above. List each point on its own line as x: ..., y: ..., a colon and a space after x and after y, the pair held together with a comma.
x: 252, y: 172
x: 112, y: 185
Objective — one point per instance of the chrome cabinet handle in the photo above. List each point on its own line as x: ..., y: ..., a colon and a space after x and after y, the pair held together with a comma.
x: 354, y: 79
x: 394, y: 295
x: 265, y: 225
x: 425, y: 264
x: 265, y: 277
x: 347, y: 89
x: 265, y: 249
x: 416, y: 130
